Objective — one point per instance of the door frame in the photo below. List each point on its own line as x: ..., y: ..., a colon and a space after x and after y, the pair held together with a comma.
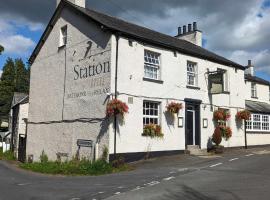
x: 197, y: 115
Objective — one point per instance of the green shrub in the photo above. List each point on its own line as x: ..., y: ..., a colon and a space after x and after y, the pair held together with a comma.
x: 43, y: 157
x: 8, y: 155
x: 105, y: 153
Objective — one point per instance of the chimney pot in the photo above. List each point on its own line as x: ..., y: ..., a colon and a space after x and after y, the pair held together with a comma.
x: 184, y: 29
x: 179, y: 30
x: 249, y: 62
x: 194, y: 26
x: 189, y: 27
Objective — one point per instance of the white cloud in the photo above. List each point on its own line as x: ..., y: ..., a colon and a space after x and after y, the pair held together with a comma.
x: 13, y: 42
x: 1, y: 73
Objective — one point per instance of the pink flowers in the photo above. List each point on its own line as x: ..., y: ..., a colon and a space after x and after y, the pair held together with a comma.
x: 174, y: 107
x: 116, y: 107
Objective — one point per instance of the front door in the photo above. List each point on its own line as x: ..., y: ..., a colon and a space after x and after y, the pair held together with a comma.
x: 192, y: 122
x: 190, y: 129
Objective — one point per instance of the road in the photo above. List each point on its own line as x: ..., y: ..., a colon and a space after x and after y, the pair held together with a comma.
x: 237, y: 174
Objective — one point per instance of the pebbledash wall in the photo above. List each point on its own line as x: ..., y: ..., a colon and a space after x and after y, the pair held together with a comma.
x: 174, y: 77
x: 68, y: 91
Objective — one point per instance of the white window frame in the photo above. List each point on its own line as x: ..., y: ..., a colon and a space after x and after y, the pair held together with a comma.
x: 155, y: 110
x: 253, y: 90
x: 152, y: 65
x: 193, y: 73
x: 258, y: 123
x: 63, y: 36
x: 226, y: 81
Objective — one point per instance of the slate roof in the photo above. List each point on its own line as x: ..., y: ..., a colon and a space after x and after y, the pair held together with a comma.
x: 256, y: 79
x: 258, y: 107
x: 140, y: 33
x: 17, y: 97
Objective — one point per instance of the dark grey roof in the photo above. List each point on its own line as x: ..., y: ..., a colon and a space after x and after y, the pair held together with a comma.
x: 17, y: 97
x: 140, y: 33
x: 256, y: 79
x: 258, y: 107
x: 23, y: 100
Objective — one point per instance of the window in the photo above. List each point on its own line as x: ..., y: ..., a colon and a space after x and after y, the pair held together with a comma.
x: 192, y: 74
x: 150, y: 112
x: 253, y: 90
x: 63, y: 36
x: 258, y: 122
x: 151, y: 65
x: 225, y: 81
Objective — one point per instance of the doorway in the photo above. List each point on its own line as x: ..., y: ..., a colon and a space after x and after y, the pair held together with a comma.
x: 192, y: 127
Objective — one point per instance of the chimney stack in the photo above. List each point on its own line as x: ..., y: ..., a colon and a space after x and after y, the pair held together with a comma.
x: 80, y: 3
x: 191, y: 34
x: 194, y: 26
x: 250, y: 68
x: 184, y: 29
x: 179, y: 30
x: 189, y: 28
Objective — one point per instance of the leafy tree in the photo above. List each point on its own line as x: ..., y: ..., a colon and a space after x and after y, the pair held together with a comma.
x: 7, y: 87
x: 15, y: 78
x: 1, y: 49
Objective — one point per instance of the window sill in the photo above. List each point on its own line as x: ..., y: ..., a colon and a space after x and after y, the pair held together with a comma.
x: 193, y: 87
x: 254, y: 97
x: 153, y: 80
x: 226, y: 92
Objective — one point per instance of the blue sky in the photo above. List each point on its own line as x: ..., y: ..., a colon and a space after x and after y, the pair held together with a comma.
x: 239, y: 34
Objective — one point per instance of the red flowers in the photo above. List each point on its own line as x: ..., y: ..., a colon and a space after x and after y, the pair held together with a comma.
x: 222, y: 114
x: 224, y: 131
x: 152, y: 130
x: 115, y: 107
x: 174, y: 107
x: 243, y: 115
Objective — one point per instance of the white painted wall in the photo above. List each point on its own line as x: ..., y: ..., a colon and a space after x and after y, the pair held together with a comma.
x: 173, y: 73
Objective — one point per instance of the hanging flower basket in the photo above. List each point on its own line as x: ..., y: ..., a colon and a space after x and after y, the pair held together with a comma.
x: 226, y: 132
x: 217, y: 136
x: 174, y: 107
x: 152, y: 130
x: 222, y: 115
x: 243, y: 115
x: 116, y: 107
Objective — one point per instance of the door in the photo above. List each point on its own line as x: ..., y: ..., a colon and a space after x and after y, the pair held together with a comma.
x: 22, y: 148
x: 190, y: 126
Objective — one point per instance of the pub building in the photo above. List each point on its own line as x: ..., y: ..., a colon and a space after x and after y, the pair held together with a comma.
x: 86, y: 58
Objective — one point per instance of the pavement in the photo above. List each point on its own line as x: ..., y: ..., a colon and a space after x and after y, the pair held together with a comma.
x: 236, y: 174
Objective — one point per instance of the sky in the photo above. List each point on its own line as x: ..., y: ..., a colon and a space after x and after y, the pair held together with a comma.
x: 238, y: 30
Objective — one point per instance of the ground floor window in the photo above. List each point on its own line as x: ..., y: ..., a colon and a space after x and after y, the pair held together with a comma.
x: 151, y: 112
x: 258, y: 122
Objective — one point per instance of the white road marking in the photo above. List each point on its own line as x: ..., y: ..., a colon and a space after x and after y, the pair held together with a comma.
x: 249, y: 155
x: 152, y: 183
x: 120, y: 187
x: 172, y: 172
x: 101, y: 192
x: 75, y: 198
x: 168, y: 178
x: 117, y: 193
x: 22, y: 184
x: 216, y: 165
x: 182, y: 169
x: 137, y: 188
x: 233, y: 159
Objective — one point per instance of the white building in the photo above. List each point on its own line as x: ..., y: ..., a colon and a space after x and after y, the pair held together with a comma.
x: 84, y: 56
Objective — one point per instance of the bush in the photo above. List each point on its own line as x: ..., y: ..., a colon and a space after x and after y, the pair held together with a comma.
x: 152, y: 130
x: 119, y: 162
x: 105, y: 153
x: 217, y: 136
x: 43, y: 157
x: 8, y: 155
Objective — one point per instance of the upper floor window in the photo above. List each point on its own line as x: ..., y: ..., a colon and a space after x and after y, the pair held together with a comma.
x: 150, y: 112
x: 63, y: 36
x: 225, y: 81
x: 192, y: 78
x: 253, y: 90
x: 151, y: 65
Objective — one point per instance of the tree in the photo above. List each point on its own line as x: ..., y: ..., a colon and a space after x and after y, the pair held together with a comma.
x: 1, y: 49
x: 15, y: 78
x: 21, y: 77
x: 7, y: 87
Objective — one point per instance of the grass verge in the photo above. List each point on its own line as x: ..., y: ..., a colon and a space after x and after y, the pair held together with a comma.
x: 8, y: 155
x: 83, y: 167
